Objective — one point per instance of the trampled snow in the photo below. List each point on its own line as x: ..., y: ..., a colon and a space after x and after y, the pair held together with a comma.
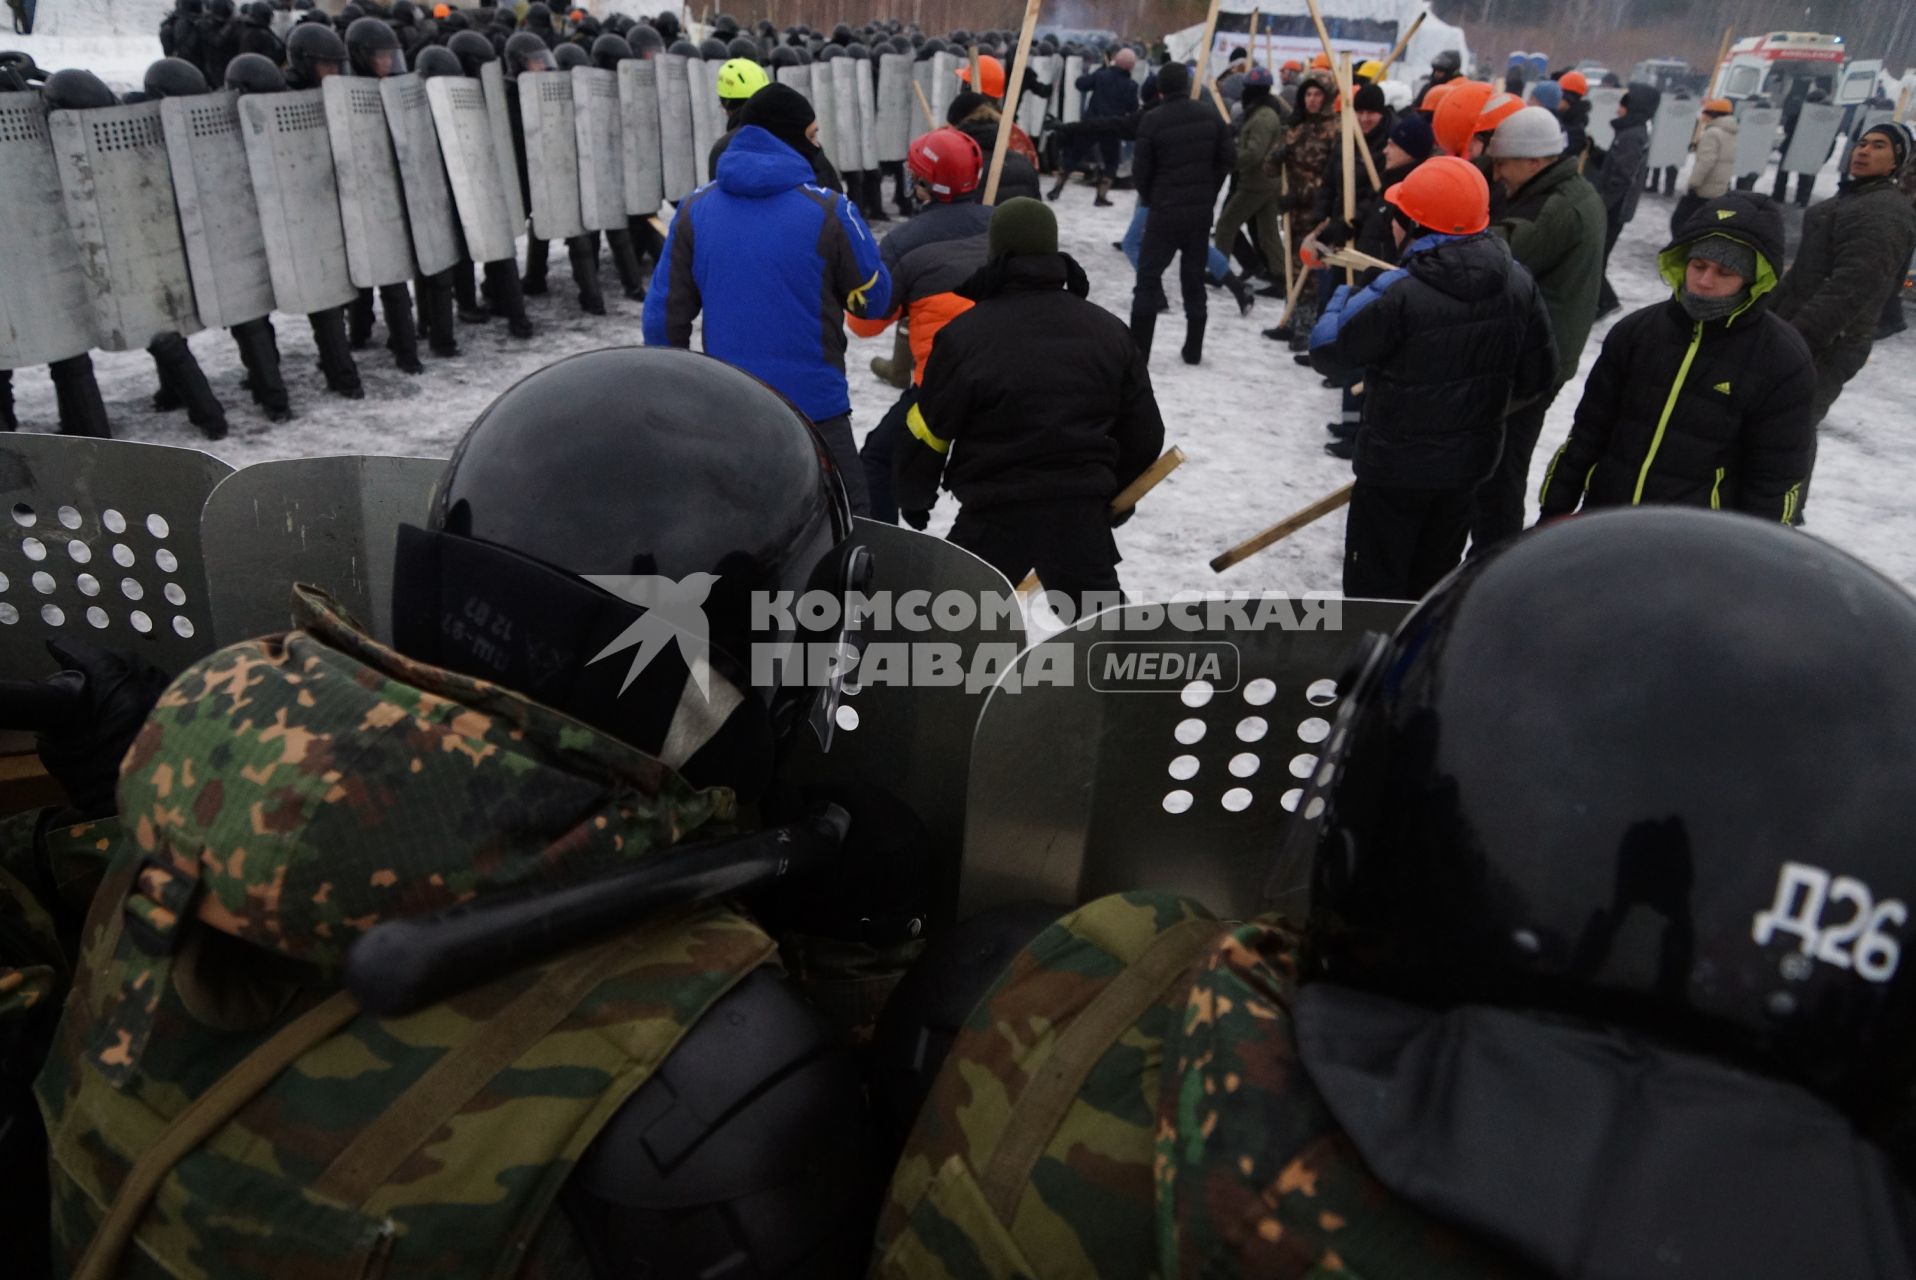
x: 1251, y: 422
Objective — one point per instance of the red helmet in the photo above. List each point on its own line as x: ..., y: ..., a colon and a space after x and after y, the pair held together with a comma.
x: 1445, y: 194
x: 1455, y: 120
x: 948, y: 161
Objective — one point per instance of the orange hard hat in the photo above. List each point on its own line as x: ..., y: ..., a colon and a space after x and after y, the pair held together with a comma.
x: 577, y: 15
x: 1435, y: 95
x: 1499, y: 109
x: 1322, y: 62
x: 1719, y: 107
x: 442, y: 11
x: 1292, y: 65
x: 1575, y: 82
x: 1455, y: 121
x: 1445, y: 194
x: 991, y: 71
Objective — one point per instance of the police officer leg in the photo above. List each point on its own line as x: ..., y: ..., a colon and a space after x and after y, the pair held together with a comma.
x: 82, y: 411
x: 626, y: 258
x: 7, y: 421
x: 877, y: 452
x: 260, y: 354
x: 645, y: 237
x: 534, y: 282
x: 503, y: 290
x: 178, y: 367
x: 401, y: 338
x: 335, y: 352
x: 465, y: 294
x: 359, y: 320
x: 436, y: 303
x: 584, y: 253
x: 837, y: 435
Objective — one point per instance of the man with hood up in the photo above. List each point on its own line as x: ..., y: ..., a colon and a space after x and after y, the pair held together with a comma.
x: 778, y: 312
x: 1703, y: 400
x: 1620, y: 180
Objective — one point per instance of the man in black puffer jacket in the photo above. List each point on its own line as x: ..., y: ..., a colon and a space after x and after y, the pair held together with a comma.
x: 1620, y: 180
x: 1184, y: 155
x: 1035, y: 411
x: 1443, y: 345
x: 1703, y: 400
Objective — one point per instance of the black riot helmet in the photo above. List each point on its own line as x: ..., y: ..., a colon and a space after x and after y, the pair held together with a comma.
x: 683, y: 49
x: 667, y: 25
x: 348, y: 15
x: 784, y: 56
x: 221, y: 10
x: 76, y: 90
x: 254, y: 73
x: 712, y: 49
x: 724, y: 26
x: 525, y: 51
x: 1649, y: 768
x: 1447, y: 64
x: 373, y: 47
x: 831, y: 52
x: 609, y: 51
x: 858, y: 51
x: 473, y: 51
x: 841, y: 33
x: 192, y: 8
x: 932, y: 47
x: 568, y: 55
x: 740, y: 47
x: 435, y: 60
x: 259, y: 13
x: 538, y: 16
x: 645, y: 40
x: 308, y: 47
x: 18, y: 72
x: 580, y: 613
x: 174, y: 78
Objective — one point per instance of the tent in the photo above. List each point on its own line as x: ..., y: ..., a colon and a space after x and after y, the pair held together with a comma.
x: 1368, y: 28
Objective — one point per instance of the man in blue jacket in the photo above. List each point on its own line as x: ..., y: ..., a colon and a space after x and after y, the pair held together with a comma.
x: 774, y: 262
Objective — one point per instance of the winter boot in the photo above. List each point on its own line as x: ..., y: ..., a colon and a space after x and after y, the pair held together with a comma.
x: 1144, y: 323
x: 1104, y: 193
x: 537, y: 252
x: 401, y: 338
x: 625, y: 257
x: 871, y: 184
x: 359, y: 320
x: 465, y: 295
x: 82, y: 412
x: 335, y: 353
x: 506, y: 297
x: 584, y: 252
x: 1057, y: 188
x: 178, y: 368
x: 897, y: 370
x: 1241, y: 290
x: 1194, y: 340
x: 260, y: 354
x: 435, y: 303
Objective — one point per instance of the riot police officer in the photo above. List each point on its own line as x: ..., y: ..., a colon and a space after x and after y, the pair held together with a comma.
x: 313, y: 52
x: 502, y: 287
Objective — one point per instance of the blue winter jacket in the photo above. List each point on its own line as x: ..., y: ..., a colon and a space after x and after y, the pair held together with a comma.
x: 774, y: 262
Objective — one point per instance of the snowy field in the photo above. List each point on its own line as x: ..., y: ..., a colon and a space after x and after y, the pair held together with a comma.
x: 1250, y: 420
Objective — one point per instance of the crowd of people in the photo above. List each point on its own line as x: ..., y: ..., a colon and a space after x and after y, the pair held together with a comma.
x: 471, y: 954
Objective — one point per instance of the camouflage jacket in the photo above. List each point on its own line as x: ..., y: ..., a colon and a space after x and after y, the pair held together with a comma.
x: 48, y: 874
x: 287, y: 794
x: 1127, y: 1101
x: 1305, y: 154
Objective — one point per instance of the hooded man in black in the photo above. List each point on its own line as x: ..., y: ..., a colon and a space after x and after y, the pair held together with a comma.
x: 1620, y: 180
x: 1703, y: 400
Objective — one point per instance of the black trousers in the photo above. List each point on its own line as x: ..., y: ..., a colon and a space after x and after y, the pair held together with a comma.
x: 1399, y: 543
x: 504, y: 295
x: 1067, y: 541
x: 1186, y: 235
x: 82, y: 411
x: 1607, y: 297
x: 335, y: 351
x: 881, y: 443
x: 837, y: 435
x: 583, y: 252
x: 1835, y: 366
x: 402, y: 339
x: 436, y: 311
x: 1686, y: 208
x: 625, y: 258
x: 181, y: 375
x: 1501, y: 501
x: 259, y: 352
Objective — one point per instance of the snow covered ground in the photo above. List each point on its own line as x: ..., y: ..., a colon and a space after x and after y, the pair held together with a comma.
x: 1250, y: 420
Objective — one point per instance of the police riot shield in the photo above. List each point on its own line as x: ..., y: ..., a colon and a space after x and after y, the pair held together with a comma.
x: 371, y: 204
x: 595, y: 118
x: 639, y: 136
x: 330, y: 522
x: 1070, y: 101
x: 799, y: 78
x: 1673, y: 130
x: 103, y: 546
x: 1816, y: 130
x: 1603, y: 116
x: 701, y: 92
x: 908, y: 736
x: 118, y: 186
x: 675, y: 127
x: 225, y: 248
x: 944, y: 83
x: 1148, y: 751
x: 464, y: 127
x: 422, y: 173
x: 867, y: 98
x: 1033, y: 107
x: 44, y: 312
x: 825, y: 106
x: 850, y: 156
x: 290, y: 156
x: 1757, y: 136
x: 921, y: 74
x: 552, y: 153
x: 492, y: 79
x: 893, y: 107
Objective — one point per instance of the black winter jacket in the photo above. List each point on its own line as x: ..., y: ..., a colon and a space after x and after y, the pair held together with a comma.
x: 1113, y: 92
x: 1443, y: 345
x: 261, y: 39
x: 1018, y: 177
x: 1575, y: 119
x: 1620, y: 180
x: 1035, y: 393
x: 1184, y: 154
x: 1855, y: 248
x: 1704, y: 415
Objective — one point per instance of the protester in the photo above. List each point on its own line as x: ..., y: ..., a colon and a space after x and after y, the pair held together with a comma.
x: 1620, y: 180
x: 1112, y: 93
x: 1714, y: 168
x: 1574, y: 114
x: 1256, y: 198
x: 1443, y: 344
x: 1035, y: 411
x: 777, y: 312
x: 1183, y: 155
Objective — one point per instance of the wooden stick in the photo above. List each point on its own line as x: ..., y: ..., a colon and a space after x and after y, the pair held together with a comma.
x: 1282, y: 529
x: 1204, y: 50
x: 1349, y: 142
x: 924, y: 105
x: 977, y: 72
x: 1250, y: 45
x: 1007, y: 108
x: 1290, y: 300
x: 1349, y: 257
x: 1345, y: 92
x: 1722, y: 55
x: 1147, y: 480
x: 1402, y: 45
x: 1284, y: 234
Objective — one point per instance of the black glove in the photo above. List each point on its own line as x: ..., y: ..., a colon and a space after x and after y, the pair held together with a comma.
x: 1119, y: 517
x: 102, y: 698
x: 918, y: 520
x: 1335, y: 233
